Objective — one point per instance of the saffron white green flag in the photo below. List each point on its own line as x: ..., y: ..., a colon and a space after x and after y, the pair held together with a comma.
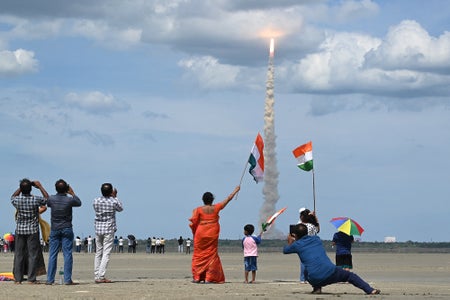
x: 269, y: 222
x: 304, y: 156
x: 256, y: 159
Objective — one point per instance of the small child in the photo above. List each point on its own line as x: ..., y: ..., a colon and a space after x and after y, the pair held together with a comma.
x: 343, y: 243
x: 249, y: 244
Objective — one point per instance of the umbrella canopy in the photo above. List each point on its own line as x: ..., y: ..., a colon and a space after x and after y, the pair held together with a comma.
x: 347, y: 225
x: 8, y: 237
x: 131, y: 237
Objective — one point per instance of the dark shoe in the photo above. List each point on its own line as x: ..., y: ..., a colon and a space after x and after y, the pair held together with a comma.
x: 317, y: 291
x: 49, y: 283
x: 71, y: 283
x: 34, y: 282
x: 375, y: 292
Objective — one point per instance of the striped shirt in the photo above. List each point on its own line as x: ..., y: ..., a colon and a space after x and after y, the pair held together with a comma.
x: 27, y: 217
x: 105, y: 214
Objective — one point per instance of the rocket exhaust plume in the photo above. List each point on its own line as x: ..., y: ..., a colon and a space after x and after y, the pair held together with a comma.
x: 270, y: 189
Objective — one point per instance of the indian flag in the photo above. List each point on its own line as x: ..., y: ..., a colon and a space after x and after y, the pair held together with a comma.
x: 269, y: 222
x: 256, y: 159
x: 304, y: 156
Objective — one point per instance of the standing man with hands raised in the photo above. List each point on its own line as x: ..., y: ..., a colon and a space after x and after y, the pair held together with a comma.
x: 27, y: 244
x: 105, y: 208
x: 61, y: 235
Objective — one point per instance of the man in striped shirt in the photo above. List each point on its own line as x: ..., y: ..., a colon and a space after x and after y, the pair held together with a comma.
x: 105, y: 208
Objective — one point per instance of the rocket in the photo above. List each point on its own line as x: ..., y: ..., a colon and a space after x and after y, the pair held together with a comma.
x: 272, y: 47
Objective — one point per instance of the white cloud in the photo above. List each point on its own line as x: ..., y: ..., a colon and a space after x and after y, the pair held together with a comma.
x: 336, y: 65
x: 164, y: 6
x: 17, y: 62
x: 351, y: 10
x: 28, y: 29
x: 106, y: 34
x: 232, y: 36
x: 409, y: 46
x: 400, y: 65
x: 209, y: 73
x: 95, y: 102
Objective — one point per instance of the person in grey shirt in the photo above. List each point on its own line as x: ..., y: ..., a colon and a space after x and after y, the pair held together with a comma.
x: 61, y: 235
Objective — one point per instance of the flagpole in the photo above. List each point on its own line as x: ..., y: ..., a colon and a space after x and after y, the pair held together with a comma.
x: 314, y: 190
x: 242, y: 176
x: 243, y: 172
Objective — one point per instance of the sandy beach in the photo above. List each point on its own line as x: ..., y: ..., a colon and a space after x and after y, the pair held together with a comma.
x: 167, y: 276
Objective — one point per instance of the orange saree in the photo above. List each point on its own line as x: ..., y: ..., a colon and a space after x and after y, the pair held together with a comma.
x: 206, y: 264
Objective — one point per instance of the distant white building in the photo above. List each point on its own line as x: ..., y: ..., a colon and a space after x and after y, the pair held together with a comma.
x: 390, y: 239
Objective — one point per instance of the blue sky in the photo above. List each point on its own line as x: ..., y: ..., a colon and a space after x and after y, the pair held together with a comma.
x: 164, y: 100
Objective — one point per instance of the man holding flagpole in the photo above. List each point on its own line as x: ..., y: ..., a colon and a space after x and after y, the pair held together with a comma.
x: 304, y: 157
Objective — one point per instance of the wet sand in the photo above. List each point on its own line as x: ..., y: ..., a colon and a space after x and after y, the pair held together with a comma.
x: 167, y: 276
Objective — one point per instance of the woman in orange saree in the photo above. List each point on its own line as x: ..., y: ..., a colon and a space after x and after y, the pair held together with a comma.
x: 206, y: 264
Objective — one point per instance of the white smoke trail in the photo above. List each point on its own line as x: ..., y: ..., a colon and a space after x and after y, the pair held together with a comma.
x: 270, y: 189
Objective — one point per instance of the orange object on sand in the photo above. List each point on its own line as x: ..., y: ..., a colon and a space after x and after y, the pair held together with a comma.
x: 7, y: 276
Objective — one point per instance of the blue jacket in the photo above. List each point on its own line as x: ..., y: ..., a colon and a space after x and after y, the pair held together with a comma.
x: 312, y: 254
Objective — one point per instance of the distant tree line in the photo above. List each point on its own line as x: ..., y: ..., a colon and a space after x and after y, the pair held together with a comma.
x: 275, y: 245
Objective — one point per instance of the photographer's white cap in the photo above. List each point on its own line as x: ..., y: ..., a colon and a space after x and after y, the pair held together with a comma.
x: 301, y: 210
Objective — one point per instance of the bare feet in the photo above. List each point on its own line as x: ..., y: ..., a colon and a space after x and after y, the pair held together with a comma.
x: 375, y: 292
